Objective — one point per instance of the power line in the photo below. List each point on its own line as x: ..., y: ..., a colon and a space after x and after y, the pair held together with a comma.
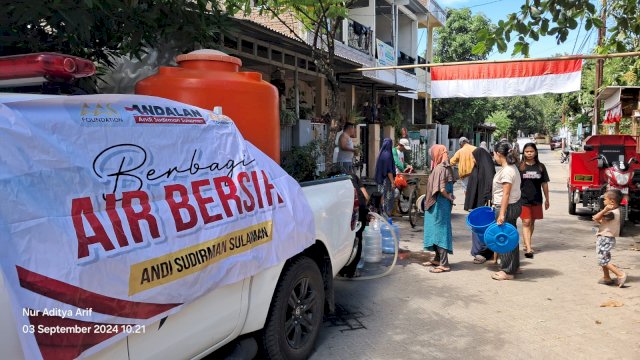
x: 577, y: 36
x: 483, y: 4
x: 584, y: 42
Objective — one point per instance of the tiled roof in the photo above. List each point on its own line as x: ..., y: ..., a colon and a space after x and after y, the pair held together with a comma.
x: 276, y: 24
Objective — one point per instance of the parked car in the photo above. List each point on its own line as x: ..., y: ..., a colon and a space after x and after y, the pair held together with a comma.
x: 210, y: 239
x: 556, y: 143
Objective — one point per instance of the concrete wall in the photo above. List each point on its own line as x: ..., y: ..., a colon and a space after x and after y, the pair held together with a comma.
x: 365, y: 15
x: 407, y: 32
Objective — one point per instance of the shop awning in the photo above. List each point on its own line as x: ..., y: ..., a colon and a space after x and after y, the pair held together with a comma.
x: 613, y: 97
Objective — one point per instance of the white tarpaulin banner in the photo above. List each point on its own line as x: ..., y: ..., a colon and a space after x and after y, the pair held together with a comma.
x: 505, y: 79
x: 120, y: 209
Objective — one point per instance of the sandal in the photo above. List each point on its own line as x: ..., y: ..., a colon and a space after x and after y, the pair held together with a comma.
x: 622, y: 280
x: 529, y: 255
x: 438, y: 269
x: 501, y: 275
x: 479, y: 259
x: 604, y: 281
x: 431, y: 263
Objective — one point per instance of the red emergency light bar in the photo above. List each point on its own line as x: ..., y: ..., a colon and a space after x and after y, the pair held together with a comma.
x: 37, y: 68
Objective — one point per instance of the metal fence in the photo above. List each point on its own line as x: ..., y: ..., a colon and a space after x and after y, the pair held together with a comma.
x: 418, y: 150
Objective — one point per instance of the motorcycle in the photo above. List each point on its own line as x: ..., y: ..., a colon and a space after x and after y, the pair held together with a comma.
x: 619, y: 176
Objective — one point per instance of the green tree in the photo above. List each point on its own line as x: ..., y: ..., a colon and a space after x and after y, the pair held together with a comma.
x: 504, y: 125
x: 549, y: 113
x: 521, y: 110
x: 322, y: 19
x: 454, y: 42
x: 102, y: 30
x: 538, y: 18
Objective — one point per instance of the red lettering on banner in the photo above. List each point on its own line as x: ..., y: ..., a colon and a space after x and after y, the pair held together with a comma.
x: 203, y: 201
x: 80, y: 208
x: 134, y: 217
x: 268, y: 187
x: 225, y: 197
x: 256, y: 187
x: 175, y: 207
x: 115, y: 220
x: 243, y: 178
x: 137, y: 209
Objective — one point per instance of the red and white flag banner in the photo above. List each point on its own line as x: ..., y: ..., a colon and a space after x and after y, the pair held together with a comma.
x: 506, y: 79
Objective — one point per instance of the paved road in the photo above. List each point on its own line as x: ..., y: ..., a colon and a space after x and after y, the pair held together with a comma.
x: 552, y: 310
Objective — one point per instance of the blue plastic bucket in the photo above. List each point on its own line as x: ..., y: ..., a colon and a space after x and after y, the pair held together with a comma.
x: 501, y: 238
x: 479, y: 219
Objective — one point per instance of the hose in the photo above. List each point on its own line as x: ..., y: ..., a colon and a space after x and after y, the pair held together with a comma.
x: 396, y: 243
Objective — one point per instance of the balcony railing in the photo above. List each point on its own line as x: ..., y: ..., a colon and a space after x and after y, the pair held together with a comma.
x: 437, y: 12
x: 360, y: 37
x: 404, y: 59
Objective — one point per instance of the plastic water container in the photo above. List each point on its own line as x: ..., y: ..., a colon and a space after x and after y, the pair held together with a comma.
x: 479, y: 219
x: 501, y: 238
x: 387, y: 231
x: 208, y: 78
x: 371, y: 245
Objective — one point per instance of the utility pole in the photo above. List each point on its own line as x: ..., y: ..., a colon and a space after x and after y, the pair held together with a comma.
x: 599, y: 69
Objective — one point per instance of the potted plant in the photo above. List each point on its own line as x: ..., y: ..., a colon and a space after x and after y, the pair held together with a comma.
x: 354, y: 117
x: 391, y: 120
x: 287, y: 118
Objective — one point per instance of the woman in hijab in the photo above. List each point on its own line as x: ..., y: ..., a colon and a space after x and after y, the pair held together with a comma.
x: 385, y: 173
x: 479, y: 193
x: 437, y: 209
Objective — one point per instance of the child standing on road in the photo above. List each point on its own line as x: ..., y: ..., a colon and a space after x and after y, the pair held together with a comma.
x: 609, y: 220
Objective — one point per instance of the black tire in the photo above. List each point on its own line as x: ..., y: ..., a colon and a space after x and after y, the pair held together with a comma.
x: 404, y: 204
x: 296, y: 312
x: 572, y: 205
x: 414, y: 214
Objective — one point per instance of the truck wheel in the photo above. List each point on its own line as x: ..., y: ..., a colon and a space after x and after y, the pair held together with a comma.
x: 572, y: 205
x: 296, y: 312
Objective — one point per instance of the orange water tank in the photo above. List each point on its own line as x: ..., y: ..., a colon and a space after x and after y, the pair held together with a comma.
x: 209, y: 78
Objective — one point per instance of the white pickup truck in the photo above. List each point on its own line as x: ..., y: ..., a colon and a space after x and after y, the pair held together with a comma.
x: 283, y: 304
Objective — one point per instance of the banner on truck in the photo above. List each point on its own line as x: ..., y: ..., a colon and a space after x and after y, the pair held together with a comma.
x: 121, y: 209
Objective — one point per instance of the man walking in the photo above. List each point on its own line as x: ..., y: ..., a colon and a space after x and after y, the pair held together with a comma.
x: 465, y: 161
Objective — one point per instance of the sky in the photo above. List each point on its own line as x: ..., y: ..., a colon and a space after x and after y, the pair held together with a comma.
x: 495, y: 10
